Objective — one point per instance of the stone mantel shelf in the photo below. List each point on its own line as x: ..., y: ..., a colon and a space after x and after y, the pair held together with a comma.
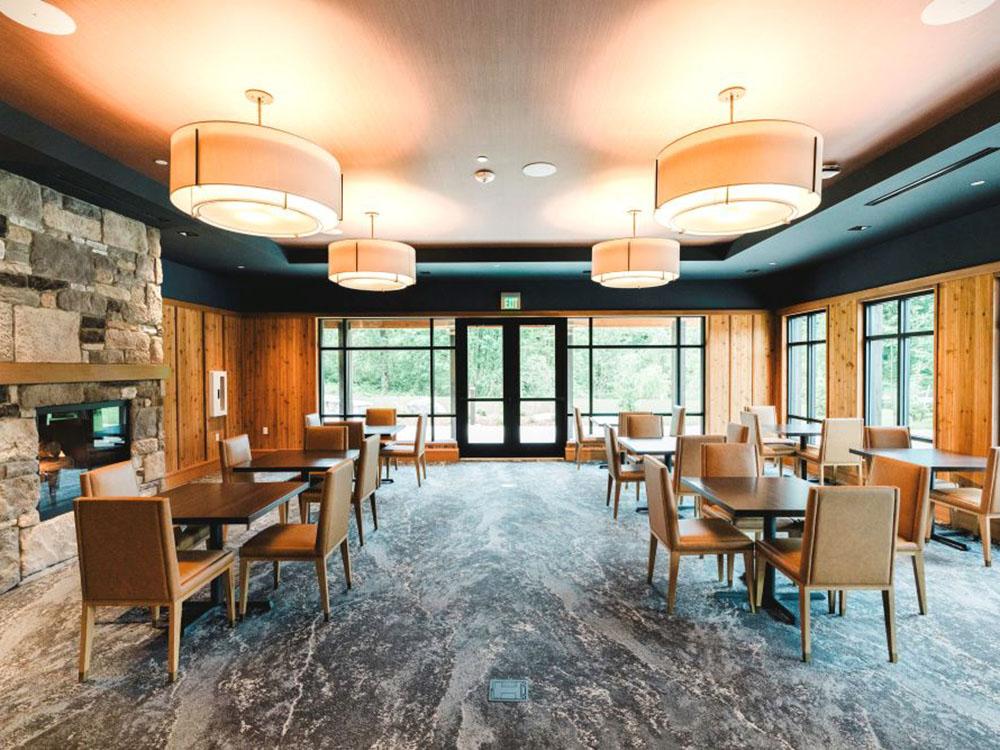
x: 19, y: 373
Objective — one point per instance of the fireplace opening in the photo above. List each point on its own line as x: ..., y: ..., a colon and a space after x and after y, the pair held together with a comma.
x: 73, y: 439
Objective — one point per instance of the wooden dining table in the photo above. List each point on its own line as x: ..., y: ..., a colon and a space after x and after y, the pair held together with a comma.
x: 935, y: 460
x: 797, y: 429
x: 767, y: 498
x: 665, y: 446
x: 216, y: 505
x: 303, y: 462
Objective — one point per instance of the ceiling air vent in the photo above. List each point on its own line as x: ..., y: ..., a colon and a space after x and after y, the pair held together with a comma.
x: 932, y: 176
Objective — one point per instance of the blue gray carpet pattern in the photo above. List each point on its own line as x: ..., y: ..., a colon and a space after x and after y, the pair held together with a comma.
x: 499, y: 569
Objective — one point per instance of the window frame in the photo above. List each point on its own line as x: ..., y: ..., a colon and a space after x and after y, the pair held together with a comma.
x: 345, y: 349
x: 902, y: 339
x: 811, y: 345
x: 678, y: 348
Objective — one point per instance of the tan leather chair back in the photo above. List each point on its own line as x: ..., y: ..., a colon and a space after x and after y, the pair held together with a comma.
x: 578, y: 422
x: 367, y: 471
x: 887, y: 437
x: 335, y: 506
x: 611, y: 451
x: 914, y: 485
x: 687, y: 459
x: 840, y: 434
x: 662, y: 502
x: 325, y: 439
x: 355, y: 431
x: 751, y: 421
x: 737, y: 433
x: 644, y: 426
x: 677, y: 420
x: 990, y: 502
x: 380, y: 417
x: 113, y: 480
x: 623, y: 417
x: 420, y: 441
x: 849, y: 537
x: 313, y: 420
x: 234, y: 451
x: 126, y: 549
x: 728, y: 460
x: 767, y: 418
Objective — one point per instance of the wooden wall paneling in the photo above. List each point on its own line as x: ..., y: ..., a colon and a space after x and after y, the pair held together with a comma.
x: 762, y: 346
x: 844, y: 363
x: 233, y: 356
x: 214, y: 343
x: 170, y: 386
x: 966, y: 327
x: 741, y: 363
x: 190, y: 387
x: 717, y: 374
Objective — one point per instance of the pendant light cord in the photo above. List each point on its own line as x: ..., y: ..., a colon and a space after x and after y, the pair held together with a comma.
x: 371, y: 218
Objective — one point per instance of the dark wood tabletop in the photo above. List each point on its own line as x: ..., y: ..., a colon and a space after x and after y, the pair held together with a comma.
x: 228, y: 502
x: 661, y: 446
x: 794, y: 429
x: 932, y: 458
x: 301, y: 461
x: 756, y: 497
x: 384, y: 430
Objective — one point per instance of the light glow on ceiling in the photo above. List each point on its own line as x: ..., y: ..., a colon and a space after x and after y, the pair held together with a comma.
x: 39, y: 16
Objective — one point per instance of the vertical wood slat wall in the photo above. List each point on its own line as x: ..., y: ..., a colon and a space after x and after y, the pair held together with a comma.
x: 964, y: 336
x: 739, y: 365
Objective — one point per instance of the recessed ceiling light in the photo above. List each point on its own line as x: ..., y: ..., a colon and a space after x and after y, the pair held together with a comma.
x: 859, y: 228
x: 187, y: 233
x: 482, y: 158
x: 941, y: 12
x: 772, y: 263
x: 484, y: 176
x: 241, y: 267
x: 539, y: 169
x: 39, y: 15
x: 160, y: 162
x: 830, y: 169
x: 977, y: 183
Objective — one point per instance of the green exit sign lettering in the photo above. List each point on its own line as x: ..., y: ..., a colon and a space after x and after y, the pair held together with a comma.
x: 510, y: 300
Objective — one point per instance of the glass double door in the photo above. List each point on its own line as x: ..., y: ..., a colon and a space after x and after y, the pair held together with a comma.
x: 511, y: 386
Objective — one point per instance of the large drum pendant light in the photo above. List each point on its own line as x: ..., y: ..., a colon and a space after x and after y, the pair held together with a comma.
x: 253, y: 179
x: 739, y: 177
x: 635, y: 262
x: 372, y: 265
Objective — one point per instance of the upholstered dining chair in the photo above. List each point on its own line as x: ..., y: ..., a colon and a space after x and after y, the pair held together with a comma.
x: 737, y: 433
x: 306, y: 542
x: 767, y: 417
x: 730, y: 460
x: 623, y: 421
x: 887, y: 437
x: 776, y: 452
x: 848, y: 542
x: 619, y: 474
x: 677, y: 420
x: 839, y: 435
x: 128, y: 558
x: 582, y: 440
x: 325, y: 438
x: 232, y: 452
x: 366, y: 481
x: 983, y: 503
x: 644, y: 425
x: 355, y: 431
x: 415, y: 451
x: 687, y: 463
x: 694, y: 536
x: 313, y: 420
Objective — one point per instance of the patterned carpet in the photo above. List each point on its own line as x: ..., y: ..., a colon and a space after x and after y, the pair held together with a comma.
x: 510, y: 570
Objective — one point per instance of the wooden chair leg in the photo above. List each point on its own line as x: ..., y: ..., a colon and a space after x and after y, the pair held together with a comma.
x: 576, y: 456
x: 618, y: 494
x: 719, y: 565
x: 889, y: 608
x: 984, y: 537
x: 283, y: 513
x: 831, y: 601
x: 730, y: 569
x: 154, y: 613
x: 345, y: 557
x: 174, y: 640
x: 748, y: 567
x: 416, y: 464
x: 760, y: 568
x: 86, y: 638
x: 843, y: 603
x: 230, y: 586
x: 652, y: 558
x: 361, y: 525
x: 675, y: 564
x: 423, y: 462
x: 607, y: 500
x: 244, y: 585
x: 637, y: 486
x: 324, y: 589
x: 277, y: 573
x: 303, y: 510
x: 918, y: 574
x: 374, y: 511
x: 804, y: 618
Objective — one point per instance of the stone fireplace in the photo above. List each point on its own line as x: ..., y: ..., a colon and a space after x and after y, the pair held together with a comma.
x: 78, y: 284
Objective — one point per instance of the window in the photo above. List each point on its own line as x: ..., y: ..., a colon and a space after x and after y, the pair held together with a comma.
x: 805, y: 362
x: 403, y: 364
x: 899, y: 363
x: 637, y: 364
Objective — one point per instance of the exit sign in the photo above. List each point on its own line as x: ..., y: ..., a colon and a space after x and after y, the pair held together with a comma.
x: 510, y: 300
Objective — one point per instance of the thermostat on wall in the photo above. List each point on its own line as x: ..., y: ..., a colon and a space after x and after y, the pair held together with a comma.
x: 510, y: 300
x: 218, y: 402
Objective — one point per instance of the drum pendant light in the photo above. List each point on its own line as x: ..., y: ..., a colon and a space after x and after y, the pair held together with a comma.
x: 254, y: 179
x: 372, y: 265
x: 743, y: 176
x: 635, y: 262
